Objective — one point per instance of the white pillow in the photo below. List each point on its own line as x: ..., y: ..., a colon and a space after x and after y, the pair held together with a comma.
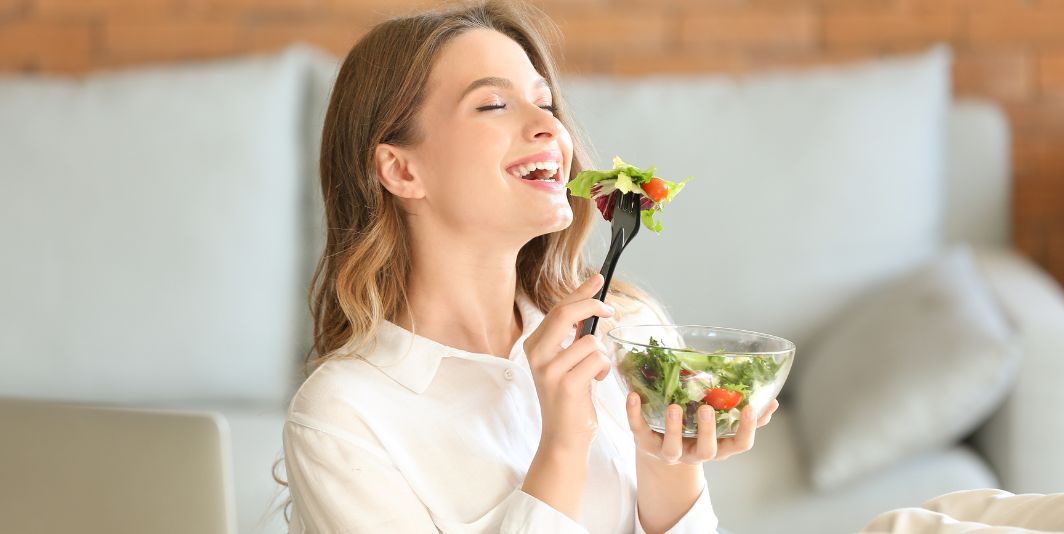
x: 914, y: 365
x: 808, y: 185
x: 152, y: 237
x: 976, y: 510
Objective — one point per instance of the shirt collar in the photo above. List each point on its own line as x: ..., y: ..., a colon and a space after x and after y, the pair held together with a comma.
x: 412, y: 360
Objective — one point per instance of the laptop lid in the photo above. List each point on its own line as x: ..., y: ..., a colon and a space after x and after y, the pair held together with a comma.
x: 95, y: 469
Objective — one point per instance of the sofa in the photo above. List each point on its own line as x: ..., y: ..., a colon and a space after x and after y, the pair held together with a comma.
x: 163, y: 223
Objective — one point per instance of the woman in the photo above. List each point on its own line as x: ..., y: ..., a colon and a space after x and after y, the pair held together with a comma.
x: 443, y: 397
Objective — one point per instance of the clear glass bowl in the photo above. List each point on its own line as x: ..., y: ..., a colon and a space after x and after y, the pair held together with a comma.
x: 692, y: 365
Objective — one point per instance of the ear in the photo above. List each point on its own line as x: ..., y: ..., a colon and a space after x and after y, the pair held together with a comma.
x: 394, y: 172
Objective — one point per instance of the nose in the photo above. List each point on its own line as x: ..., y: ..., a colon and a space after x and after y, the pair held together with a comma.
x: 542, y: 124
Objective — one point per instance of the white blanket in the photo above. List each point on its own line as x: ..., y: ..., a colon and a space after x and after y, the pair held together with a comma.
x: 983, y: 511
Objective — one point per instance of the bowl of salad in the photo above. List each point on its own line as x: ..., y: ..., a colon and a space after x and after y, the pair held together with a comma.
x: 692, y: 365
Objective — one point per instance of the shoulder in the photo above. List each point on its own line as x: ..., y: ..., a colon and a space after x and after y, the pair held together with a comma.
x: 336, y: 390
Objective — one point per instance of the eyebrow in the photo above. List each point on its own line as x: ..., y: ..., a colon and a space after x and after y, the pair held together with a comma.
x: 495, y: 81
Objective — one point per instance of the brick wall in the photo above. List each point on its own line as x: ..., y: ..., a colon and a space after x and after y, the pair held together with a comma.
x: 1008, y: 50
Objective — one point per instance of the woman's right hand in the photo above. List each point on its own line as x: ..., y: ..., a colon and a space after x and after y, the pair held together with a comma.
x: 563, y: 375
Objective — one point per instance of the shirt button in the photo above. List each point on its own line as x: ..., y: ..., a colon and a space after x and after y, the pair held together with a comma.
x: 508, y: 374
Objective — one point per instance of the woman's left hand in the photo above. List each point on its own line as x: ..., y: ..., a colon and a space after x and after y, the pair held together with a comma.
x: 673, y: 448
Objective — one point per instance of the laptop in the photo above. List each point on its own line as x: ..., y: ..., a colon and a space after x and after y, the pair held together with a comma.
x: 98, y: 469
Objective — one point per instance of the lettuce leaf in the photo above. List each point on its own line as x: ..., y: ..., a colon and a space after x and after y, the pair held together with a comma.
x: 626, y: 178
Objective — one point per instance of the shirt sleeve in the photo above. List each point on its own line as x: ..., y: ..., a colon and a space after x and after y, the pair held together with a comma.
x: 527, y: 514
x: 700, y: 519
x: 338, y: 485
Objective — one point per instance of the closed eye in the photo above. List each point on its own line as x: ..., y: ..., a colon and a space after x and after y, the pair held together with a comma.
x: 549, y: 107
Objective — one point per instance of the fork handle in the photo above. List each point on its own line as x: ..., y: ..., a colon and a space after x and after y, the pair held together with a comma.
x: 616, y: 244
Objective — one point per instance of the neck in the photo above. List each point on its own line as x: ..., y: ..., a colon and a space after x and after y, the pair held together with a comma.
x: 464, y: 297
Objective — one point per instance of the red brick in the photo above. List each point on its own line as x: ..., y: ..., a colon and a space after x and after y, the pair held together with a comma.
x: 753, y: 29
x: 13, y: 8
x: 1054, y: 244
x: 874, y: 29
x: 228, y: 7
x: 378, y: 10
x: 1006, y: 75
x: 641, y: 64
x: 1043, y: 117
x: 131, y: 40
x: 333, y: 35
x: 611, y: 31
x: 965, y: 5
x: 1016, y: 26
x: 98, y: 9
x: 58, y: 47
x: 1039, y: 199
x: 1051, y: 72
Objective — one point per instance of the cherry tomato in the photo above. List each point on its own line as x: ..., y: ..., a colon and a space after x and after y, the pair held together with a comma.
x: 722, y: 399
x: 656, y: 189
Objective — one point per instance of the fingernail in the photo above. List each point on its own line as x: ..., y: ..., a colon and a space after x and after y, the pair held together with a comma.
x: 707, y: 414
x: 610, y: 309
x: 674, y: 413
x: 633, y: 399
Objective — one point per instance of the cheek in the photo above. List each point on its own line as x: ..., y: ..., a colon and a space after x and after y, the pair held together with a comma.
x: 565, y: 141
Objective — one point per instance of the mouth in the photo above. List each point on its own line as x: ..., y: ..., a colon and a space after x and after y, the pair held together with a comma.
x: 542, y: 167
x: 546, y: 174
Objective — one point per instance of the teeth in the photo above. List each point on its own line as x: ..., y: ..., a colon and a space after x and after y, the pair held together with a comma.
x: 523, y: 170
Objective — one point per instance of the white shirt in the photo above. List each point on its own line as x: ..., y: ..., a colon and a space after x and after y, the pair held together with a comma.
x: 422, y: 437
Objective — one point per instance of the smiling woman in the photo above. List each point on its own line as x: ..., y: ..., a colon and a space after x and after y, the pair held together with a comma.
x: 447, y: 389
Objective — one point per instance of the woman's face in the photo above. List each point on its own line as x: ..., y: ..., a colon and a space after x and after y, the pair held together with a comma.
x: 484, y: 126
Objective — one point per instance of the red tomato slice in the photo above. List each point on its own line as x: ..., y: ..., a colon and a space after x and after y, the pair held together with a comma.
x: 722, y: 399
x: 655, y: 189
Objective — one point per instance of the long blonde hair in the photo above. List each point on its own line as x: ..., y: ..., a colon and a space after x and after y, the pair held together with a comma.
x: 362, y: 275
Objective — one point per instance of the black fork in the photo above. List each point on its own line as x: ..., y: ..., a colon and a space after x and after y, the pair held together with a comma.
x: 625, y: 225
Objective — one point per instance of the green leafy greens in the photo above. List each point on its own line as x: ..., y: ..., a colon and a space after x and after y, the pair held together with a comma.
x: 602, y: 186
x: 663, y: 376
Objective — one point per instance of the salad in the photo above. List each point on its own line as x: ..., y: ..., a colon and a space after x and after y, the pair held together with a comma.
x: 663, y: 376
x: 604, y: 186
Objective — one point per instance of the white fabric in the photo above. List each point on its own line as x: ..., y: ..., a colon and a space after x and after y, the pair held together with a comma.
x: 800, y: 180
x: 982, y: 511
x: 978, y: 175
x: 152, y: 247
x: 420, y: 436
x: 914, y: 365
x: 766, y: 490
x: 1023, y: 440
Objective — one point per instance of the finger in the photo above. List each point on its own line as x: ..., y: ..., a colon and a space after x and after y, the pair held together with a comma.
x: 744, y: 437
x: 571, y: 356
x: 672, y: 442
x: 767, y: 416
x: 645, y: 438
x: 591, y: 366
x: 707, y: 433
x: 560, y: 321
x: 587, y: 290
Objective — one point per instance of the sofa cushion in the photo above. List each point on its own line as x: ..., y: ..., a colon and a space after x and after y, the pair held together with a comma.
x: 765, y: 490
x: 153, y: 245
x: 914, y: 365
x: 807, y: 186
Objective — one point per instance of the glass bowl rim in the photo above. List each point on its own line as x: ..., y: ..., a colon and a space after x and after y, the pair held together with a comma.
x: 786, y: 342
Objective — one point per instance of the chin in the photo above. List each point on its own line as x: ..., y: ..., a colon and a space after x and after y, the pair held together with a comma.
x: 561, y: 220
